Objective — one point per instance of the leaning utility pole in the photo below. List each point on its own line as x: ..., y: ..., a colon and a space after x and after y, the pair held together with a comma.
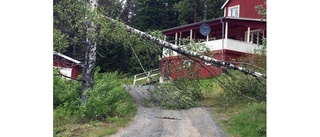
x: 90, y: 55
x: 184, y: 51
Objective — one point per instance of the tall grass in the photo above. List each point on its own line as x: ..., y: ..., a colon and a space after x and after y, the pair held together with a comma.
x: 108, y: 104
x: 238, y: 116
x: 250, y: 122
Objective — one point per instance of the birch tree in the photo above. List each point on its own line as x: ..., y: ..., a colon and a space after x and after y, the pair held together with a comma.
x: 91, y: 45
x: 183, y: 51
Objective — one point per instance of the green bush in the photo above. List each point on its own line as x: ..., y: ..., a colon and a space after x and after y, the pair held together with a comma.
x: 244, y: 86
x: 65, y: 91
x: 108, y: 98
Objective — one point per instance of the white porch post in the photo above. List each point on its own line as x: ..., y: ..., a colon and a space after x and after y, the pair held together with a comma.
x: 176, y: 39
x: 226, y: 32
x: 225, y: 40
x: 180, y: 38
x: 191, y: 34
x: 207, y: 37
x: 248, y: 35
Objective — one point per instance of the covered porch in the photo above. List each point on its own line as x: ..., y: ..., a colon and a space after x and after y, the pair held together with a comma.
x: 227, y: 33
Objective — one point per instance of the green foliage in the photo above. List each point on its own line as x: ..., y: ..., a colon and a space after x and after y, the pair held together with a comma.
x: 210, y: 86
x: 250, y: 122
x: 241, y: 85
x: 191, y: 11
x: 237, y: 84
x: 69, y: 19
x: 185, y: 91
x: 159, y: 15
x: 111, y: 8
x: 65, y: 91
x: 261, y: 10
x: 240, y: 117
x: 180, y: 94
x: 262, y: 48
x: 107, y: 99
x: 115, y: 52
x: 60, y: 42
x: 156, y: 15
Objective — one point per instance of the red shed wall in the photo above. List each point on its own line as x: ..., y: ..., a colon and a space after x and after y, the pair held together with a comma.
x: 247, y: 7
x: 64, y: 63
x: 75, y: 72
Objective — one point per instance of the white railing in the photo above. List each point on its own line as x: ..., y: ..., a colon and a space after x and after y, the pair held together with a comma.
x: 229, y: 44
x: 214, y: 44
x: 241, y: 46
x: 148, y: 75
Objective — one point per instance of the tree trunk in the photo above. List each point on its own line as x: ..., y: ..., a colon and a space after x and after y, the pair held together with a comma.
x: 195, y: 8
x: 184, y: 51
x: 90, y: 55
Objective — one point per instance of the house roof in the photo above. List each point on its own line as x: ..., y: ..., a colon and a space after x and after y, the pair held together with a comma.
x: 192, y: 24
x: 66, y: 57
x: 225, y: 4
x: 211, y: 20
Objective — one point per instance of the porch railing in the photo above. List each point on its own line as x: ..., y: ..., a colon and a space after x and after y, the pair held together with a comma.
x: 146, y: 76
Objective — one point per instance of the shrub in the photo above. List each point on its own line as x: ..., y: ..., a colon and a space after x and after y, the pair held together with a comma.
x: 108, y: 98
x: 65, y: 91
x: 244, y: 86
x: 240, y: 84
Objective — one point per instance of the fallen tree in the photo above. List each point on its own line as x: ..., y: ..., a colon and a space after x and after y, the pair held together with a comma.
x: 181, y: 50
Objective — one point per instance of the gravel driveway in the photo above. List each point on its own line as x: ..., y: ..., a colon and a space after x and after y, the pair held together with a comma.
x: 157, y: 122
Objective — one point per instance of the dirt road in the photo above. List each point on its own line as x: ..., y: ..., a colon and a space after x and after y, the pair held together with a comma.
x: 156, y: 122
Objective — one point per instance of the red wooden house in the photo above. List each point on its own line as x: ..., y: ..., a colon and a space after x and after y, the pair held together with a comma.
x: 239, y: 32
x: 66, y: 65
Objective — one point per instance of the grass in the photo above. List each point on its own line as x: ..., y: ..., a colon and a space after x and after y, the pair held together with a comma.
x: 239, y: 118
x: 72, y: 127
x: 68, y: 121
x: 92, y: 129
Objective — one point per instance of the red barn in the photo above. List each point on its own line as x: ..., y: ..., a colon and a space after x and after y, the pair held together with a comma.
x: 66, y: 65
x: 241, y: 31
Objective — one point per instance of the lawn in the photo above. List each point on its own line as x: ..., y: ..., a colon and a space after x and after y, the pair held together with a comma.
x: 238, y: 118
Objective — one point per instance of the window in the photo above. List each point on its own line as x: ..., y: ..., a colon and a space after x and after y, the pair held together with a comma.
x: 234, y: 11
x: 256, y: 36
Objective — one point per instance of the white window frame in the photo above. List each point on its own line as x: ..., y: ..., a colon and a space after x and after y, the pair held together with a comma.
x: 258, y: 32
x: 234, y: 7
x: 65, y: 71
